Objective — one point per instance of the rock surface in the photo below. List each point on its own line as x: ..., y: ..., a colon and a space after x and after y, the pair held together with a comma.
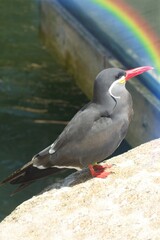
x: 125, y: 205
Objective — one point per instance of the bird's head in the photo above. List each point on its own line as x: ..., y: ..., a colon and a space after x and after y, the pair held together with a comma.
x: 112, y: 81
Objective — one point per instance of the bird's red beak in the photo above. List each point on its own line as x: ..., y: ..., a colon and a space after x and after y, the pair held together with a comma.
x: 136, y: 71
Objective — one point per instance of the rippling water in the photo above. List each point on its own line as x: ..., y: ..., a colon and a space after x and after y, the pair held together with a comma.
x: 37, y: 97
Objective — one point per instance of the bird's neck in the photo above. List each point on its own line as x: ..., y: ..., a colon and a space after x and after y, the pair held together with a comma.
x: 105, y: 101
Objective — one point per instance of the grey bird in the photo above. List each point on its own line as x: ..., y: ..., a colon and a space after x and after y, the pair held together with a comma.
x: 92, y: 135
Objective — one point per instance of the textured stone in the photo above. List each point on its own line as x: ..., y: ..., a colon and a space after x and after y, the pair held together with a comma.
x: 125, y: 205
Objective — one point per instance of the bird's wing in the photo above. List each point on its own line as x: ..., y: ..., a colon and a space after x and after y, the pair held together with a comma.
x: 76, y: 130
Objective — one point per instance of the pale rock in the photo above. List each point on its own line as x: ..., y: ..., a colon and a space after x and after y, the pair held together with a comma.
x: 125, y: 205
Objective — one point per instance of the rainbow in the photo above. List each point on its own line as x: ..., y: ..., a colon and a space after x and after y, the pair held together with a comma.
x: 135, y: 24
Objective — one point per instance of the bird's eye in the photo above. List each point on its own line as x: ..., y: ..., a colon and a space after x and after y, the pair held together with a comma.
x: 119, y: 75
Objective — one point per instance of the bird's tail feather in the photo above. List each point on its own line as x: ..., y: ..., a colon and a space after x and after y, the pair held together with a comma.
x: 27, y: 175
x: 20, y: 187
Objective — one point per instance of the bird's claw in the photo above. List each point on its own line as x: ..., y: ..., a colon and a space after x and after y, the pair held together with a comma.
x: 99, y: 170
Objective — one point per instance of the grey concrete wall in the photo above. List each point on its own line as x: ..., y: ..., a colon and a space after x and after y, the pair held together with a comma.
x: 84, y: 57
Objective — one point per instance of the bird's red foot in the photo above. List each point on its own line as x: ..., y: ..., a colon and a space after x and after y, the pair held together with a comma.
x: 99, y: 170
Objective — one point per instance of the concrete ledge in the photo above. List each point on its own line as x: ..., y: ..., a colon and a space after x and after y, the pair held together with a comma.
x: 125, y: 205
x: 84, y: 57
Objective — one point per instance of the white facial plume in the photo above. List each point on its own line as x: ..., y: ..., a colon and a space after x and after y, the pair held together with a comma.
x: 111, y: 89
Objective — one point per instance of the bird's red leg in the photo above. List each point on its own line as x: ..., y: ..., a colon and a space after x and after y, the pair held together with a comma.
x: 99, y: 170
x: 102, y: 167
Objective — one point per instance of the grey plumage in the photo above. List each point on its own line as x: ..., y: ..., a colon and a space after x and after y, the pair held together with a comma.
x: 93, y: 134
